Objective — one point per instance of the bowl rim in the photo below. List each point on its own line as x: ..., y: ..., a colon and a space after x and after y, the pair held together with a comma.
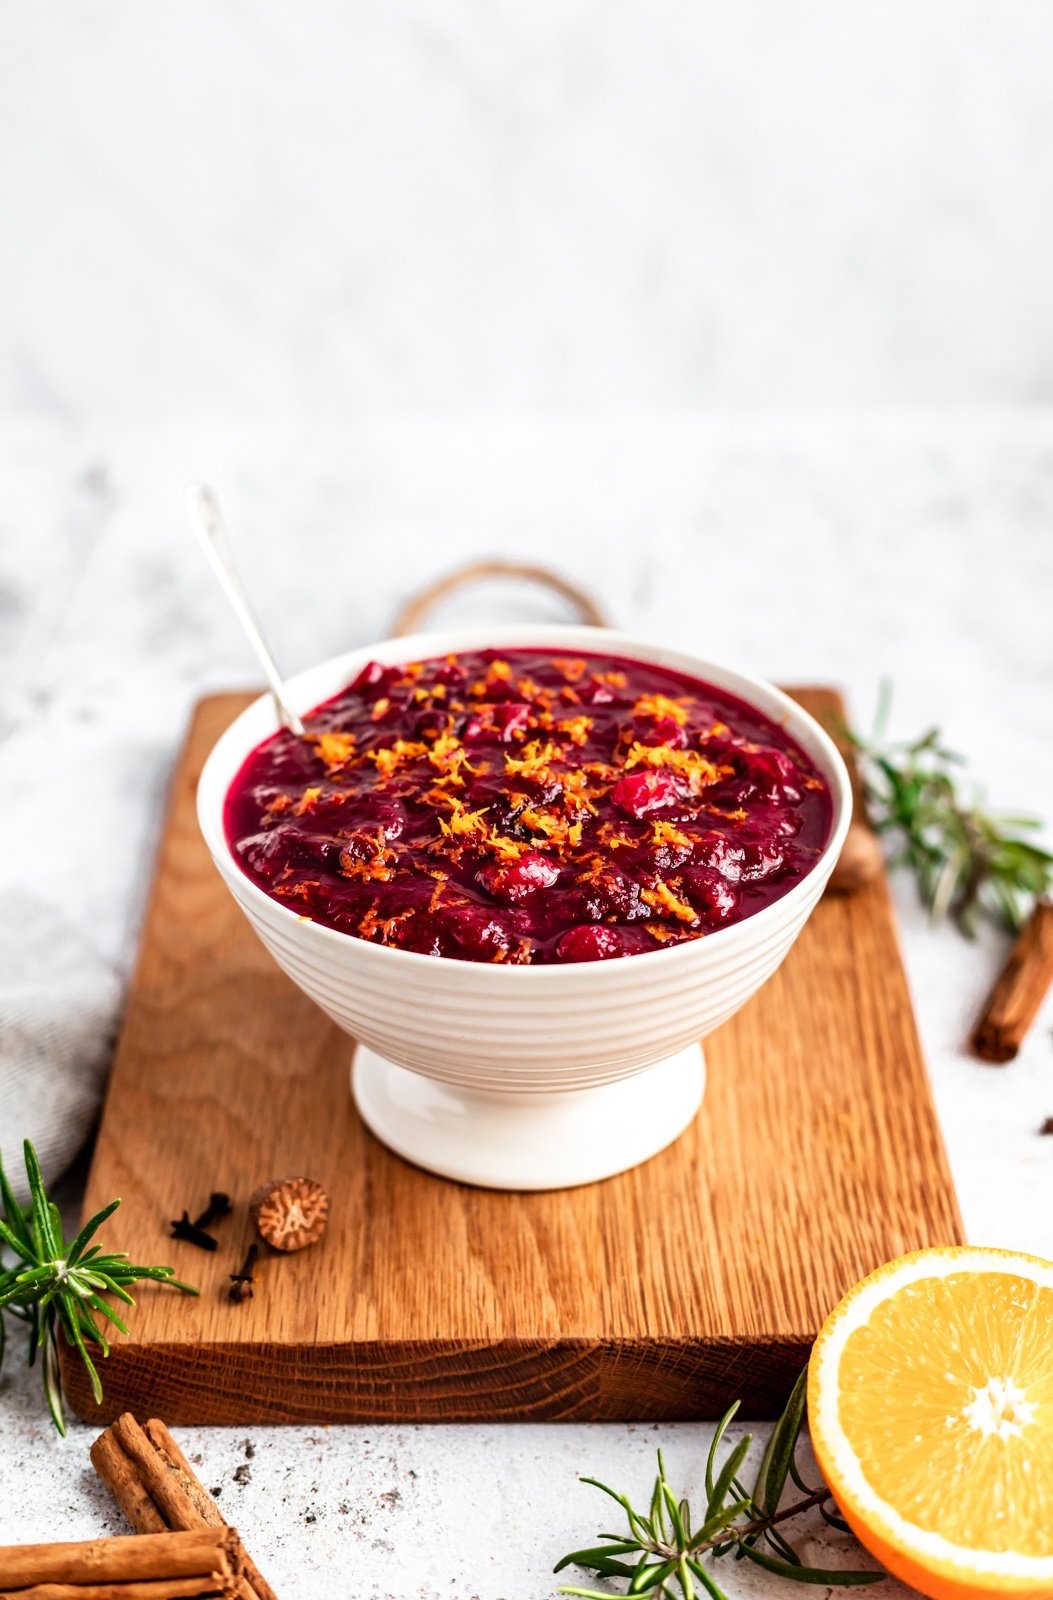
x: 314, y: 685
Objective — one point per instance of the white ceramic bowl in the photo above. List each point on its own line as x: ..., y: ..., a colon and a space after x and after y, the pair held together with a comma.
x: 525, y: 1077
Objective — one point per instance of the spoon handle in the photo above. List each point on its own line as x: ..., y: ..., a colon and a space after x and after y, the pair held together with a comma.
x: 206, y: 519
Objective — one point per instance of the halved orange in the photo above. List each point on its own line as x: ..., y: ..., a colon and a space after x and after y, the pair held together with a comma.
x: 930, y: 1405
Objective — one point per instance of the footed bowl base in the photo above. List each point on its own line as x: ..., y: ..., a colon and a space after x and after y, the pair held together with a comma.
x: 528, y: 1141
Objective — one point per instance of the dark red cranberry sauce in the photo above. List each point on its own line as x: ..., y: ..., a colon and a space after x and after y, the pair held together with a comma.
x: 526, y: 807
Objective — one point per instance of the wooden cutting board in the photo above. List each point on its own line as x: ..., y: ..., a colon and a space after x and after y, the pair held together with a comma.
x: 700, y: 1277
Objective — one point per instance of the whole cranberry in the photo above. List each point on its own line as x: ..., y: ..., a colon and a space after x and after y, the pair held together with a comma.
x: 369, y: 676
x: 774, y: 774
x: 594, y: 693
x: 618, y: 894
x: 591, y: 943
x: 420, y: 933
x: 264, y: 852
x: 390, y: 815
x: 514, y: 882
x: 344, y: 919
x: 268, y: 853
x: 387, y: 822
x: 581, y: 903
x: 430, y: 724
x: 639, y: 794
x: 474, y: 930
x: 717, y: 850
x: 315, y: 850
x: 711, y: 893
x: 732, y: 794
x: 762, y: 860
x: 327, y: 812
x: 398, y: 704
x: 264, y: 795
x: 510, y: 717
x: 291, y: 765
x: 496, y: 722
x: 374, y: 675
x: 666, y: 731
x: 668, y: 855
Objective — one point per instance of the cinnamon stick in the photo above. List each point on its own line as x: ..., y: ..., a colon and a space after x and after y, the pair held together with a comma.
x: 255, y: 1584
x: 124, y: 1483
x: 206, y: 1508
x: 209, y: 1558
x: 145, y: 1470
x: 139, y: 1589
x: 1014, y: 1001
x: 162, y: 1483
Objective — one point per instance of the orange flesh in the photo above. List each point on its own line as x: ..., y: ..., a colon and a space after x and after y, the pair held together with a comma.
x: 946, y: 1397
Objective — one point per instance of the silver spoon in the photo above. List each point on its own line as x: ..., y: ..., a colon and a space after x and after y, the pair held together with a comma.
x: 206, y: 519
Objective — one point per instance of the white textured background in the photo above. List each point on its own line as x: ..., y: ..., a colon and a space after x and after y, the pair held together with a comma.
x: 739, y: 312
x: 246, y: 205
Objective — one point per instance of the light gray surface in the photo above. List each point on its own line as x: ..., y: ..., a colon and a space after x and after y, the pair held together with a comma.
x: 807, y: 549
x: 57, y: 1022
x: 394, y: 1513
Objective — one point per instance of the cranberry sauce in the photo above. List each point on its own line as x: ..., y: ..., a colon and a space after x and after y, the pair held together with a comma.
x: 522, y: 806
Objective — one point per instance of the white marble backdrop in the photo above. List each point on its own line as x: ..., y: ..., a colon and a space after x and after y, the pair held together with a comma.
x: 243, y: 205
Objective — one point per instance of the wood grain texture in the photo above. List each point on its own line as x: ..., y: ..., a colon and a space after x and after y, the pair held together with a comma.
x: 666, y: 1292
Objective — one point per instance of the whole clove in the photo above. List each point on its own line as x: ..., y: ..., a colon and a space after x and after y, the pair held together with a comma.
x: 194, y: 1231
x: 241, y: 1282
x: 218, y: 1206
x: 183, y: 1228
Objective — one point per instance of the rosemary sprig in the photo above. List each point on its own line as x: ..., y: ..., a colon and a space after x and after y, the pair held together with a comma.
x: 662, y: 1551
x: 968, y: 862
x: 53, y: 1285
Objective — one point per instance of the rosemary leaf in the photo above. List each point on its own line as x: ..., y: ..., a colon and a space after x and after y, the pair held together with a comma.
x: 729, y: 1472
x: 775, y: 1466
x: 967, y: 862
x: 53, y: 1285
x: 600, y: 1553
x: 706, y: 1579
x: 803, y: 1574
x: 672, y: 1561
x: 650, y: 1575
x: 706, y: 1535
x: 718, y: 1436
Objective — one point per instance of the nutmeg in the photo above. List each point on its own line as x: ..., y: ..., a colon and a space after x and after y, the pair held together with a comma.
x: 859, y: 863
x: 290, y: 1213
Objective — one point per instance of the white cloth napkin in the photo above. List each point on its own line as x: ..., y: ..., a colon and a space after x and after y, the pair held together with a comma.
x: 58, y: 1011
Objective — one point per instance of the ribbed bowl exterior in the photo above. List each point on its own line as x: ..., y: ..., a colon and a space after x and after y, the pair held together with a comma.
x: 514, y: 1030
